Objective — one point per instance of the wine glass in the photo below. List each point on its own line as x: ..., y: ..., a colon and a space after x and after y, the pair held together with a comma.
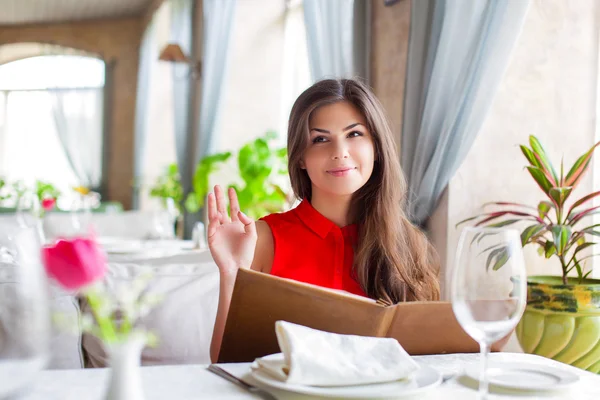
x: 24, y: 311
x: 488, y: 288
x: 28, y: 214
x: 164, y: 214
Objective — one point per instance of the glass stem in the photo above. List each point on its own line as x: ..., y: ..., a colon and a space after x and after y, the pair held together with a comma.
x: 483, y: 378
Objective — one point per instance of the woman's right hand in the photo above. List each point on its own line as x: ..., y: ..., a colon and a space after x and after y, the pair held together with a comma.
x: 231, y: 241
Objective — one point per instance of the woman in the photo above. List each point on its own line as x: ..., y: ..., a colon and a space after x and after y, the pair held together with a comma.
x: 349, y: 231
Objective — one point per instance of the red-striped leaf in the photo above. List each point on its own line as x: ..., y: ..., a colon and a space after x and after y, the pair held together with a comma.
x: 549, y: 174
x: 577, y: 238
x: 498, y: 214
x: 562, y: 171
x: 540, y: 179
x: 549, y: 249
x: 579, y: 248
x: 582, y: 247
x: 577, y: 170
x: 589, y: 228
x: 499, y: 257
x: 561, y: 235
x: 505, y: 203
x: 530, y: 232
x: 579, y: 270
x: 560, y: 195
x: 582, y: 214
x: 583, y: 200
x: 504, y: 223
x: 590, y: 256
x: 466, y: 220
x: 542, y: 157
x: 543, y: 208
x: 530, y: 156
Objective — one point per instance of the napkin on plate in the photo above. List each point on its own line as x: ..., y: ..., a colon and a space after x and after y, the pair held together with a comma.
x: 316, y: 358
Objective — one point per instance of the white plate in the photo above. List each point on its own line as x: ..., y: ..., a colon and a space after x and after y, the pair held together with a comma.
x: 425, y: 378
x: 524, y: 376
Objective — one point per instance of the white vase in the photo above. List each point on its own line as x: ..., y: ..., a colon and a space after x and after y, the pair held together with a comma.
x: 125, y: 375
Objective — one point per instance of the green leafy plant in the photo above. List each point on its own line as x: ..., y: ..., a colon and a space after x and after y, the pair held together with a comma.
x: 168, y: 186
x: 259, y: 163
x: 4, y: 194
x: 556, y: 225
x: 45, y: 190
x: 200, y: 183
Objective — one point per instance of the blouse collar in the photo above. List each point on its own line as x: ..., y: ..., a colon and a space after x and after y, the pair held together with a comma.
x: 319, y: 224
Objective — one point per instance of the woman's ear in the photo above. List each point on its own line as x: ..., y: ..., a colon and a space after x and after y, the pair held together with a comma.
x: 302, y: 165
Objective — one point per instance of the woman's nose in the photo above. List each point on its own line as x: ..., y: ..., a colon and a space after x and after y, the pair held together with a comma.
x: 340, y: 150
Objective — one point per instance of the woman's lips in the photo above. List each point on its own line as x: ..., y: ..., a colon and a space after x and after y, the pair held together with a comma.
x: 343, y: 171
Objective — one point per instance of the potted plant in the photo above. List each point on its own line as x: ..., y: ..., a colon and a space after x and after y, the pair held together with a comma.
x: 259, y: 163
x: 562, y: 318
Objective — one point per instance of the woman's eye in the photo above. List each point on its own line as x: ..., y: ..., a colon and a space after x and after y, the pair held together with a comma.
x: 355, y: 134
x: 319, y: 139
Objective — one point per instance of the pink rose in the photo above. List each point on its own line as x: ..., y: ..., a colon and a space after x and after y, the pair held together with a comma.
x: 48, y: 204
x: 74, y: 263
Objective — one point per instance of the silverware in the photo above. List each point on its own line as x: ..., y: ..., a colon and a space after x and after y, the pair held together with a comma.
x: 447, y: 377
x: 234, y: 379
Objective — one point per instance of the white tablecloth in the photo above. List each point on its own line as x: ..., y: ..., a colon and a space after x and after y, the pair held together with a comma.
x: 154, y: 252
x: 187, y: 382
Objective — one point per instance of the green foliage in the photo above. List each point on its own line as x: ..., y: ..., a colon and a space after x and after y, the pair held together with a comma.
x: 4, y: 194
x: 168, y: 186
x: 258, y: 163
x: 554, y: 227
x: 45, y: 190
x: 209, y: 164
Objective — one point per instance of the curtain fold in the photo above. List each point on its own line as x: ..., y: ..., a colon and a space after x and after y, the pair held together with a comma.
x: 182, y: 14
x: 78, y: 115
x: 330, y: 38
x: 458, y: 52
x: 148, y: 54
x: 218, y: 24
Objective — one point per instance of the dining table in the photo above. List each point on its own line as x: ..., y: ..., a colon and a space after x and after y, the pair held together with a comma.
x: 195, y: 381
x: 187, y: 382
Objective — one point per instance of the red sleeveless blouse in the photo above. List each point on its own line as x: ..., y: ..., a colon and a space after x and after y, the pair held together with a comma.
x: 312, y: 249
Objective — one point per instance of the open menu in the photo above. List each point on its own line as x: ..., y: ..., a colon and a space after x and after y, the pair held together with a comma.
x: 259, y: 300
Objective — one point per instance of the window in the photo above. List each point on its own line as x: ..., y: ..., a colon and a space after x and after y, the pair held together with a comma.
x: 51, y: 113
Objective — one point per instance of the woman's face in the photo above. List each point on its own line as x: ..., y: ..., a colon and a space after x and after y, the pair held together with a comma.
x: 340, y: 153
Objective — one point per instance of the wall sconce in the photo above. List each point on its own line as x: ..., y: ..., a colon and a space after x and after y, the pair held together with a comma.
x: 172, y: 53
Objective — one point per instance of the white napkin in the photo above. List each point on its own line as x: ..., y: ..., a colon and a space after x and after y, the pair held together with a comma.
x: 316, y: 358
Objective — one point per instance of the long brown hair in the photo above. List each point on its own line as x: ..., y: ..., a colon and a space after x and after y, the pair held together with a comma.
x: 393, y: 258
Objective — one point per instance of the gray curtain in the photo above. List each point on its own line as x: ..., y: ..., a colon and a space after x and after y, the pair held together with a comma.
x: 181, y: 33
x: 458, y: 51
x: 148, y: 55
x: 218, y: 24
x: 78, y: 114
x: 109, y: 68
x: 330, y: 38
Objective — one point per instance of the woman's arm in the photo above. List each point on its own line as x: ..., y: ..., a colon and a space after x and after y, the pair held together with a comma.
x: 236, y: 243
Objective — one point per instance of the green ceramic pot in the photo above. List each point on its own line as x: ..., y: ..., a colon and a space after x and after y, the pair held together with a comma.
x: 562, y: 322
